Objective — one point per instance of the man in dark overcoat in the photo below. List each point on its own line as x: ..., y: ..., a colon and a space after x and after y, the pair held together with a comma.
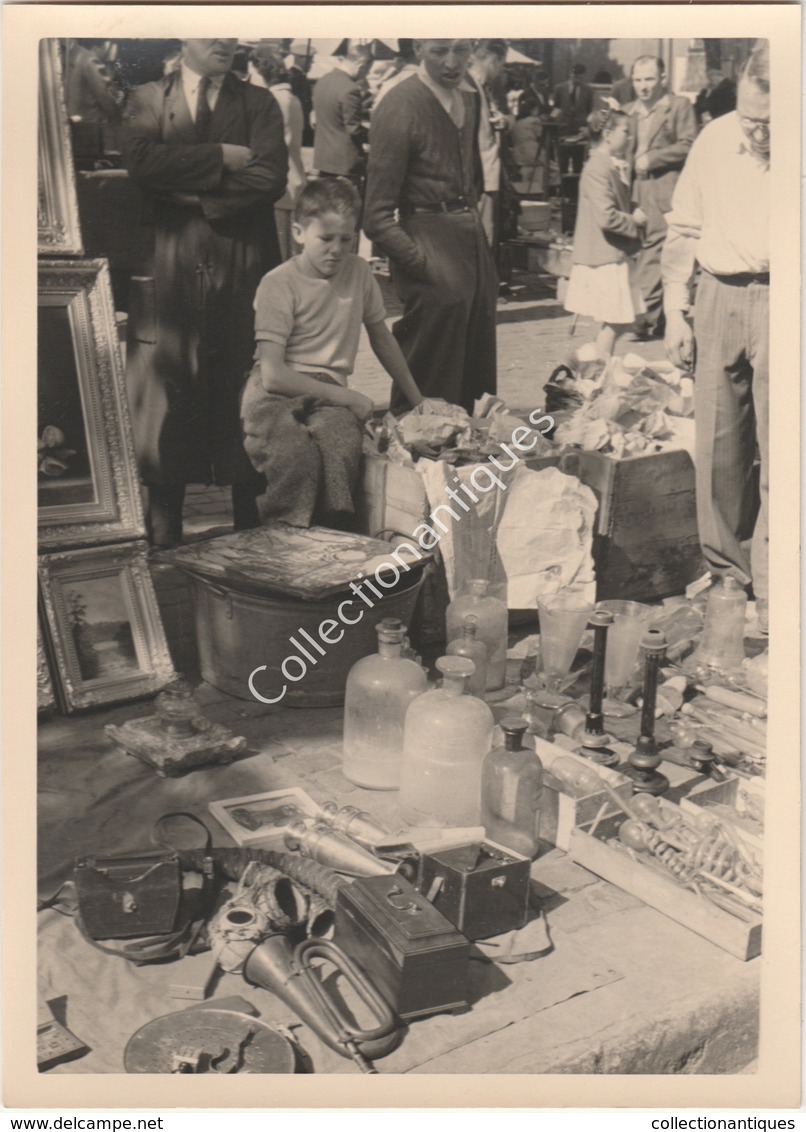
x: 208, y: 151
x: 424, y: 182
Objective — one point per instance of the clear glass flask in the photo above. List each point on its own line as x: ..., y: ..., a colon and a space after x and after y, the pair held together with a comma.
x: 379, y: 690
x: 722, y: 642
x: 511, y: 788
x: 492, y: 627
x: 446, y: 736
x: 469, y: 645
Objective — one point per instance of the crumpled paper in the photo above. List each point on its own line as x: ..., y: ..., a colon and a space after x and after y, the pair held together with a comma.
x: 531, y: 537
x: 630, y: 406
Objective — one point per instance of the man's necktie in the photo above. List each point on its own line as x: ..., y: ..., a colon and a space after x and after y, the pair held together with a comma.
x: 203, y: 112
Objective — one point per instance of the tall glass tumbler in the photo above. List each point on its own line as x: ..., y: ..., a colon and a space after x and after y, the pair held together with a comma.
x: 630, y: 621
x: 563, y: 619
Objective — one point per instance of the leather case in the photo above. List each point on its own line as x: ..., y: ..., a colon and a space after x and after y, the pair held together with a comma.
x: 122, y: 897
x: 482, y: 888
x: 413, y: 955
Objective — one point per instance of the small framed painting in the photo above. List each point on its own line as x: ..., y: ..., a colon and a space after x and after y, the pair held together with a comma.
x: 263, y: 817
x: 104, y: 625
x: 87, y: 484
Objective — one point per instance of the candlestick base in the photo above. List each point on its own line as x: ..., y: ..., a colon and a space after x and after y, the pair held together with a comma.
x: 646, y: 781
x: 594, y: 746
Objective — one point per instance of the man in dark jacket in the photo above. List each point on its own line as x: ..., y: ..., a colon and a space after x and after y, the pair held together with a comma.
x: 574, y: 101
x: 209, y: 153
x: 423, y: 187
x: 338, y: 106
x: 664, y: 127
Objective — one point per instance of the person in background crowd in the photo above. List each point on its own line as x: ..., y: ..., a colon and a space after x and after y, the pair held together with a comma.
x: 623, y: 91
x: 715, y: 99
x: 720, y: 220
x: 602, y: 78
x: 379, y: 70
x: 338, y: 104
x: 267, y: 69
x: 607, y: 234
x: 513, y: 103
x: 90, y: 94
x: 663, y: 129
x: 423, y: 187
x: 300, y: 88
x: 208, y: 152
x: 486, y: 66
x: 405, y: 66
x: 574, y: 101
x: 536, y: 99
x: 525, y: 142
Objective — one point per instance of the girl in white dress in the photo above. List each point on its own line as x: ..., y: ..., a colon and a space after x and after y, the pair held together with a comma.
x: 606, y: 236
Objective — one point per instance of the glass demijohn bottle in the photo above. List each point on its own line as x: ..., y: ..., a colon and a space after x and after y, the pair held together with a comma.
x: 511, y: 788
x: 469, y: 645
x: 446, y: 736
x: 379, y: 690
x: 492, y: 627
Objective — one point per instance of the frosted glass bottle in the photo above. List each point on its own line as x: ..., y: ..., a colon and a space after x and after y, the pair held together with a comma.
x: 469, y: 645
x: 446, y: 736
x: 511, y: 788
x: 492, y: 627
x: 722, y: 642
x: 379, y: 690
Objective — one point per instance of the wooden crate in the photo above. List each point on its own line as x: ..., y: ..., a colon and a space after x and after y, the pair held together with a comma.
x: 593, y: 851
x: 744, y: 792
x: 390, y: 497
x: 646, y: 545
x: 559, y: 812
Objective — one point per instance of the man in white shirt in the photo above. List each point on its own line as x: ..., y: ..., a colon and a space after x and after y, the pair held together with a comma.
x: 720, y: 219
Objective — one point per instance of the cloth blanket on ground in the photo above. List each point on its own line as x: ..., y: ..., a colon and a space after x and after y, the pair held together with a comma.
x: 309, y: 452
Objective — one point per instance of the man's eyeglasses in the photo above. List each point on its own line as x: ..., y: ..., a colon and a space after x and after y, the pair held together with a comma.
x: 755, y: 126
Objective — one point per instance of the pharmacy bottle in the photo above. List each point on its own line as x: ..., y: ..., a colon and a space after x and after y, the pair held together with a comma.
x: 379, y: 690
x: 492, y: 627
x: 511, y: 789
x: 446, y: 736
x: 474, y: 649
x: 722, y: 642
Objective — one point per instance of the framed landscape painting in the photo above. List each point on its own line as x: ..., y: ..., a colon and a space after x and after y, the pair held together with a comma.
x: 104, y: 625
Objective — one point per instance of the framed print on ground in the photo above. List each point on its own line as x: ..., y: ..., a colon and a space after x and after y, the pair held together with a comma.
x: 57, y: 204
x: 104, y: 625
x: 87, y: 487
x: 260, y: 818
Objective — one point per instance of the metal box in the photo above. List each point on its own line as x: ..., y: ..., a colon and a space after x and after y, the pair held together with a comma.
x: 413, y: 955
x: 482, y: 888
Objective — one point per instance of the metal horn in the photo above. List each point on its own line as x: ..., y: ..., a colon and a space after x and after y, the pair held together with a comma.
x: 287, y: 972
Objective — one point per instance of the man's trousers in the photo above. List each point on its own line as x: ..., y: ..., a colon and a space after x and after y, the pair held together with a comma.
x: 731, y: 411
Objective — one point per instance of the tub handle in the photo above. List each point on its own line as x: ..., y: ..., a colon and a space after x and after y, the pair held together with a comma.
x: 226, y: 595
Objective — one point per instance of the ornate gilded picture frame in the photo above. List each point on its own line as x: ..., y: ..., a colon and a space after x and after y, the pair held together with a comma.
x: 104, y: 625
x: 59, y: 231
x: 88, y: 489
x: 45, y: 693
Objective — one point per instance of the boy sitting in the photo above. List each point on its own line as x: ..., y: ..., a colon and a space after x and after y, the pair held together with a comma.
x: 302, y: 424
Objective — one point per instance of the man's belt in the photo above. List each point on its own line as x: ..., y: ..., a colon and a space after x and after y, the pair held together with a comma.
x: 743, y: 278
x: 461, y: 204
